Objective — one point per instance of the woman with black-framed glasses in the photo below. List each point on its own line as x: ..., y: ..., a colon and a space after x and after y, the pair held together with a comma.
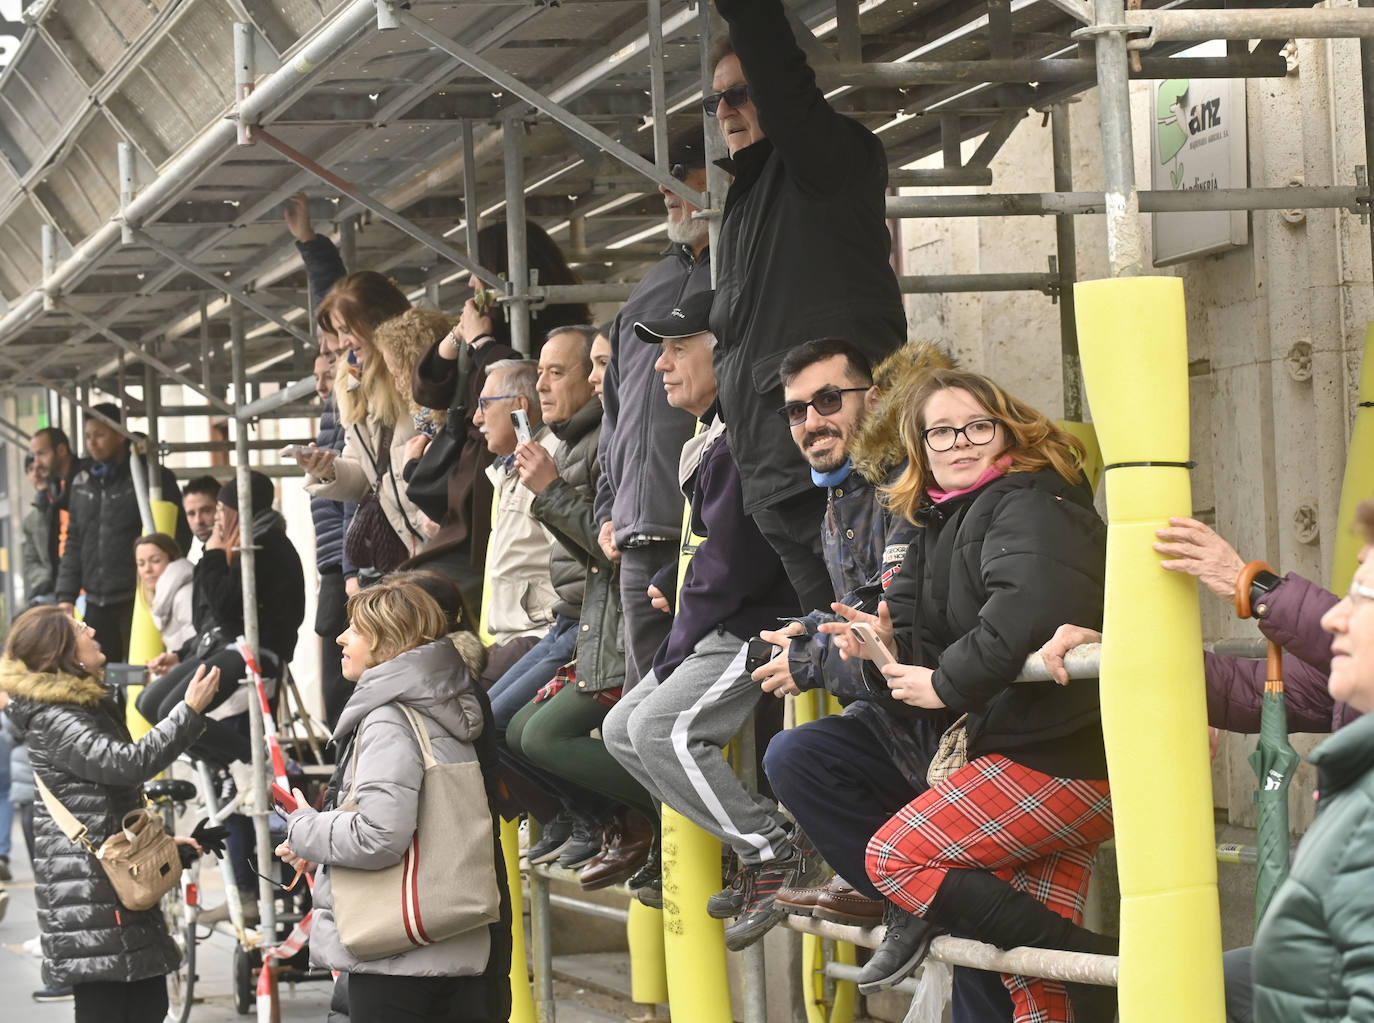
x: 1000, y: 849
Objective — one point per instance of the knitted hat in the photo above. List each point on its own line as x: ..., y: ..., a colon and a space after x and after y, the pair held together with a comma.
x: 263, y: 493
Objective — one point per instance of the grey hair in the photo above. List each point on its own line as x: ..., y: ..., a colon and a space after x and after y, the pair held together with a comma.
x: 519, y: 376
x: 720, y: 48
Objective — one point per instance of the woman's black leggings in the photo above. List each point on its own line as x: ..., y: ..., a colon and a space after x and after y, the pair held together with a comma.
x: 223, y: 741
x: 111, y: 1001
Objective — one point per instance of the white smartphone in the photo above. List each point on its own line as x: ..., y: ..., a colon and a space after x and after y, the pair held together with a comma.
x: 521, y: 421
x: 294, y: 451
x: 871, y: 645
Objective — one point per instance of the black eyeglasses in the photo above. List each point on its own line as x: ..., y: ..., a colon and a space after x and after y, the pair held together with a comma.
x: 736, y: 96
x: 826, y: 403
x: 978, y: 432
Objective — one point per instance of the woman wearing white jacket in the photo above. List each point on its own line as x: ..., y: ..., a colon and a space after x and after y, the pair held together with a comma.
x: 397, y: 650
x: 164, y: 576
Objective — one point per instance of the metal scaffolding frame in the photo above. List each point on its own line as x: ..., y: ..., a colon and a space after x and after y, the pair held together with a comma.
x: 151, y: 164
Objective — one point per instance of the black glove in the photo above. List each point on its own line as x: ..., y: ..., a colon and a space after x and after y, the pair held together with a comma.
x: 211, y: 839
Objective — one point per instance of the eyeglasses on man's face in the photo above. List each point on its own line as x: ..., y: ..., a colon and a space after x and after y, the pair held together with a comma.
x: 737, y: 96
x: 485, y: 403
x: 978, y: 432
x: 826, y: 403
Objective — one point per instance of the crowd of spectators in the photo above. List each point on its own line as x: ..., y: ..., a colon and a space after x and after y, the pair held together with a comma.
x: 721, y: 497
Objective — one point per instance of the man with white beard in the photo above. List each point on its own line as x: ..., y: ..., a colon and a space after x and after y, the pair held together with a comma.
x: 638, y: 502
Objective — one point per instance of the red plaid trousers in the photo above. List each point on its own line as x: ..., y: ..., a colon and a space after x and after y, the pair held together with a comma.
x: 1034, y: 831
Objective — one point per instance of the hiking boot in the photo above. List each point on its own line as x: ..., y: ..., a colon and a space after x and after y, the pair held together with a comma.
x: 552, y: 839
x: 800, y: 867
x: 582, y: 846
x: 729, y: 901
x: 652, y: 871
x: 904, y: 946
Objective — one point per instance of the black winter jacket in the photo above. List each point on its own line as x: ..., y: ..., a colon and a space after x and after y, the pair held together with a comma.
x: 217, y: 593
x: 735, y: 582
x: 803, y: 249
x: 103, y: 523
x: 641, y: 434
x: 79, y: 745
x: 565, y: 507
x: 323, y: 266
x: 986, y: 581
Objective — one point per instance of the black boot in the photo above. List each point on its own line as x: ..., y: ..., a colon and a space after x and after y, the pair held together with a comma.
x: 652, y: 871
x: 975, y: 904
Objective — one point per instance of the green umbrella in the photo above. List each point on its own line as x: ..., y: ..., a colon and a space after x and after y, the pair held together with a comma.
x: 1274, y: 762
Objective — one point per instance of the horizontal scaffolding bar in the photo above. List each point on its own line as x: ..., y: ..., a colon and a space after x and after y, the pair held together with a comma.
x: 1196, y: 26
x: 1200, y: 200
x: 931, y: 284
x: 935, y: 176
x: 183, y: 447
x: 1041, y: 70
x: 302, y: 388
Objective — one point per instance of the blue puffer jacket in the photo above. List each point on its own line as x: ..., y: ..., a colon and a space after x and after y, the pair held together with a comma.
x: 330, y: 516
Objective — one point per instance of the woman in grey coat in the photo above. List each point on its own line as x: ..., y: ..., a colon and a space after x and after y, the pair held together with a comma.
x: 114, y: 959
x: 397, y: 650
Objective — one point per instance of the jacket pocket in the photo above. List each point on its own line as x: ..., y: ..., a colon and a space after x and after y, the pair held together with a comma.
x: 764, y: 371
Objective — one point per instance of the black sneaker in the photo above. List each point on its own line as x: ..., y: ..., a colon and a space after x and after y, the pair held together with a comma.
x: 650, y: 873
x: 904, y: 946
x: 52, y: 994
x: 582, y: 845
x: 651, y: 893
x: 552, y: 839
x: 729, y: 901
x: 800, y: 867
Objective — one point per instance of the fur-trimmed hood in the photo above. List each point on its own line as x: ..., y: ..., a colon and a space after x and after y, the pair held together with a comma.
x: 49, y: 687
x: 876, y: 449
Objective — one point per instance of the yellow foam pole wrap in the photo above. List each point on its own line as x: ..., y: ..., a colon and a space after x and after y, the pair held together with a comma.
x: 648, y: 965
x: 1134, y: 347
x: 145, y: 642
x: 521, y: 998
x: 1092, y: 453
x: 693, y: 943
x: 1358, y: 484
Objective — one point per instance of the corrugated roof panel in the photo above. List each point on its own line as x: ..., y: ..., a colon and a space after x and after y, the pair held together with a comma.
x: 82, y: 189
x: 95, y: 34
x: 21, y: 250
x: 44, y: 98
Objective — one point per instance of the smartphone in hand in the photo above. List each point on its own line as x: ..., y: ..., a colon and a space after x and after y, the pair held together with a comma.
x: 760, y: 653
x: 871, y: 645
x: 285, y: 800
x: 520, y: 419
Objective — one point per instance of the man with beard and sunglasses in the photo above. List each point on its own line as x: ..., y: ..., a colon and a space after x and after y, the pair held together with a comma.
x: 803, y: 252
x: 638, y: 504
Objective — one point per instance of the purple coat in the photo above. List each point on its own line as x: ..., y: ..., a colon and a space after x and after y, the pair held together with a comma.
x: 1290, y: 616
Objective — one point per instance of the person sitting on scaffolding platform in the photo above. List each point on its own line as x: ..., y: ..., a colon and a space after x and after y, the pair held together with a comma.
x: 670, y: 730
x: 217, y: 599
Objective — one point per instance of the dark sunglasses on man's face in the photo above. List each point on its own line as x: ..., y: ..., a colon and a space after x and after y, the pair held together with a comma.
x: 826, y: 403
x: 737, y: 96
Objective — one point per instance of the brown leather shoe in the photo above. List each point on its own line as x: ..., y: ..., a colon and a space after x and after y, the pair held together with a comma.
x: 624, y: 848
x: 800, y: 901
x: 841, y: 904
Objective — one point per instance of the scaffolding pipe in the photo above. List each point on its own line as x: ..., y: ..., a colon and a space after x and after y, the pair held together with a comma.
x: 288, y: 395
x: 471, y: 206
x: 49, y: 259
x: 518, y: 270
x: 1197, y: 26
x: 1041, y: 70
x: 1367, y: 95
x: 247, y: 553
x: 922, y: 177
x: 1066, y: 249
x: 545, y: 1008
x: 127, y: 189
x: 151, y: 413
x: 1040, y: 204
x: 139, y: 475
x: 272, y: 93
x: 658, y: 99
x: 244, y: 76
x: 1125, y: 253
x: 935, y: 284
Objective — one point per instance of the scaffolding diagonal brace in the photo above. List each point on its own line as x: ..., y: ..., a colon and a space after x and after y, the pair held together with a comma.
x: 239, y: 295
x: 553, y: 110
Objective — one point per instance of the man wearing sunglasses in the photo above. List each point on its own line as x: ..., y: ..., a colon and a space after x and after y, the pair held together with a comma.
x: 803, y: 252
x: 638, y: 505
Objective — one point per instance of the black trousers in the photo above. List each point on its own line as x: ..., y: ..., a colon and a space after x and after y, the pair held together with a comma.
x: 793, y: 529
x: 110, y: 1001
x: 112, y: 624
x: 374, y: 998
x: 331, y: 618
x: 223, y: 741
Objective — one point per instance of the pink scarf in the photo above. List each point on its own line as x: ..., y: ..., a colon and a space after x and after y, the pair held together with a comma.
x: 996, y: 469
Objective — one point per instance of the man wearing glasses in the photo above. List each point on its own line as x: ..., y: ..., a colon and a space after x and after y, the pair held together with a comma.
x: 520, y: 604
x: 803, y: 252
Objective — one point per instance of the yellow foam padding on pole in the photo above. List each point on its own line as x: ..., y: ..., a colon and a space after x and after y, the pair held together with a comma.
x: 483, y: 632
x: 1135, y: 366
x: 1358, y: 484
x: 521, y: 998
x: 1092, y: 452
x: 648, y: 965
x: 813, y: 982
x: 145, y: 642
x: 693, y: 943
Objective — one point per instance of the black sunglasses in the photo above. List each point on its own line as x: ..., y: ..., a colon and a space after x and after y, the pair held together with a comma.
x: 736, y: 96
x: 826, y: 403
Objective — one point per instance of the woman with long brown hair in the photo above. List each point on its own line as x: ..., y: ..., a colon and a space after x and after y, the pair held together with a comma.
x: 1007, y: 547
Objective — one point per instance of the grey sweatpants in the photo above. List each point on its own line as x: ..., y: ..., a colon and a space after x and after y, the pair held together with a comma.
x: 670, y: 734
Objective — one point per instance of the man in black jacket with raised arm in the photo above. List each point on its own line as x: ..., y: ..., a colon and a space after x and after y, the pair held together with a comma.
x: 803, y: 253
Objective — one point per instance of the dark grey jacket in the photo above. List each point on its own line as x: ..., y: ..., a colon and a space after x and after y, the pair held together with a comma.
x: 641, y: 434
x: 79, y: 745
x: 565, y: 506
x: 36, y: 556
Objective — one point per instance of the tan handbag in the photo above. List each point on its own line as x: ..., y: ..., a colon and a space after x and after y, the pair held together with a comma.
x: 951, y: 753
x: 445, y: 885
x: 141, y: 859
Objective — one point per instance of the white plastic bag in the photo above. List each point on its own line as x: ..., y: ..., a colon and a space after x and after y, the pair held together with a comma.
x: 932, y: 994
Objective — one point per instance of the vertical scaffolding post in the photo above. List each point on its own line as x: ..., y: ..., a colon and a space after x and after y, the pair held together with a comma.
x: 206, y: 352
x: 244, y: 75
x: 1367, y: 90
x: 49, y: 262
x: 1124, y: 253
x: 1064, y: 237
x: 150, y: 411
x: 348, y: 244
x: 541, y: 938
x: 753, y: 969
x: 717, y: 181
x: 518, y: 309
x: 657, y: 90
x: 471, y: 208
x: 267, y: 909
x: 126, y: 189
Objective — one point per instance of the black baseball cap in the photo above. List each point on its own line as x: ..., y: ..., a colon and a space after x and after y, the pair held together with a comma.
x: 693, y: 316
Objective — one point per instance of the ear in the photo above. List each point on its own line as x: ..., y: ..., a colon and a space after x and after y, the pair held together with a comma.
x: 871, y: 398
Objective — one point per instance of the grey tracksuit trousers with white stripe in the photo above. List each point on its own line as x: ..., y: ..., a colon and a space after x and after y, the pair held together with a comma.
x: 670, y: 735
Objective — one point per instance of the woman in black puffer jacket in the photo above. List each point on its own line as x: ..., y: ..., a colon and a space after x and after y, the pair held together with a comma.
x: 1007, y: 542
x: 115, y: 960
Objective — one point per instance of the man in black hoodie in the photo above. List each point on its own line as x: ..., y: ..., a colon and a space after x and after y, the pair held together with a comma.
x: 803, y: 253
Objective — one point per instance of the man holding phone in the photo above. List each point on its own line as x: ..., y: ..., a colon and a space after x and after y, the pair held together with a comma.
x: 670, y: 730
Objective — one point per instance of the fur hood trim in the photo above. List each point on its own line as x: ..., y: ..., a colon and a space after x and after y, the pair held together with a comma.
x: 876, y: 449
x: 49, y: 687
x: 471, y: 650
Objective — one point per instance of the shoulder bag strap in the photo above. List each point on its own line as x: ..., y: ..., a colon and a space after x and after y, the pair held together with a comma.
x: 65, y: 819
x: 421, y: 735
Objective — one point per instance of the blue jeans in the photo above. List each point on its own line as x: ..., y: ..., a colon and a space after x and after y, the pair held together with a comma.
x: 6, y: 807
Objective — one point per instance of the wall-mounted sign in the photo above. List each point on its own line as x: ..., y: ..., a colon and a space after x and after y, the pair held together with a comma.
x: 1198, y: 142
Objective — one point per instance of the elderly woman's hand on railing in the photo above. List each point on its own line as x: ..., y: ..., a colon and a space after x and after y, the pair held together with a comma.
x: 1065, y: 638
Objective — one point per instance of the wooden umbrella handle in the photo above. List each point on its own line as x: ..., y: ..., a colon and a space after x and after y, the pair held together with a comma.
x: 1243, y: 581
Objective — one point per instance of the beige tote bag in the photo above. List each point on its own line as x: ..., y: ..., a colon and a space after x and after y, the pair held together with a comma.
x: 445, y: 884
